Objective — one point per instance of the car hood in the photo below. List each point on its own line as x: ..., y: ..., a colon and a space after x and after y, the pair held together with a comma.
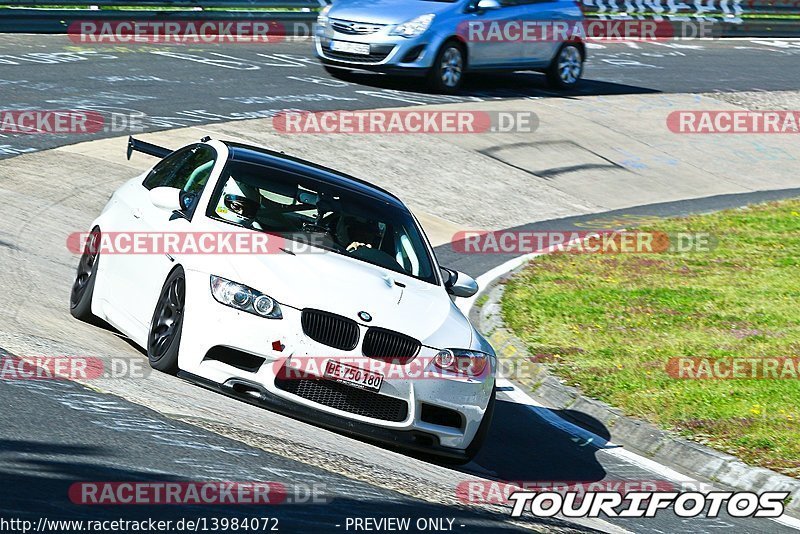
x: 386, y: 11
x: 337, y: 284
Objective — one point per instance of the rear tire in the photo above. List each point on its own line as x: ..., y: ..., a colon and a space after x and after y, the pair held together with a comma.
x: 164, y: 337
x: 80, y: 301
x: 565, y: 72
x: 447, y: 73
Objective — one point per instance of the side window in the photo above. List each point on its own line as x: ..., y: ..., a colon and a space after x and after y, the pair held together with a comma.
x: 193, y: 175
x: 187, y: 170
x: 163, y: 174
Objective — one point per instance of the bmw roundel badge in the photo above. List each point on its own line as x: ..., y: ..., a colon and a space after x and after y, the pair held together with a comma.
x: 364, y: 316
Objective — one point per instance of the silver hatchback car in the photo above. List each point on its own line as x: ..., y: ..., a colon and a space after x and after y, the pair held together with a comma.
x: 444, y: 39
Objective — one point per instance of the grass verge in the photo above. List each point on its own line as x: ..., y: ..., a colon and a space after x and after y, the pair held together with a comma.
x: 610, y: 324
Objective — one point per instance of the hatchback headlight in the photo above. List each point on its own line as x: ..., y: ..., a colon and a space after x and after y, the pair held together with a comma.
x: 244, y: 298
x: 322, y: 18
x: 461, y: 361
x: 414, y: 27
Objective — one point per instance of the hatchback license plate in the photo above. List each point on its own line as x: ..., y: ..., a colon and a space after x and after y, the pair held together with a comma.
x: 353, y: 376
x: 350, y: 48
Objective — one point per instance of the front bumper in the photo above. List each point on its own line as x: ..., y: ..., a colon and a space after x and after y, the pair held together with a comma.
x: 209, y: 326
x: 388, y: 53
x: 413, y: 440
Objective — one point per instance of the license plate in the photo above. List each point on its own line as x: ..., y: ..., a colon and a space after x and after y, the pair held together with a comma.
x: 353, y: 376
x: 351, y: 48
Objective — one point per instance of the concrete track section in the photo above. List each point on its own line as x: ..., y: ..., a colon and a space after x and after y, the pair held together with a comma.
x: 503, y: 181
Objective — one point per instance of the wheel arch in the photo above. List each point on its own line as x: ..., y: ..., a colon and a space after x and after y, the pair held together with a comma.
x: 581, y: 47
x: 461, y: 42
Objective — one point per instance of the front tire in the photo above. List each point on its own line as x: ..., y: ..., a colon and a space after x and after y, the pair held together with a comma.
x: 483, y: 431
x: 447, y: 73
x: 565, y: 72
x: 80, y: 300
x: 164, y: 338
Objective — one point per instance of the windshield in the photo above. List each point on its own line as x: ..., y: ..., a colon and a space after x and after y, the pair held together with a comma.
x: 327, y: 216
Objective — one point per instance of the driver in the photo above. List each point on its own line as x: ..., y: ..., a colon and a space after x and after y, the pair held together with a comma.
x: 354, y: 233
x: 239, y: 203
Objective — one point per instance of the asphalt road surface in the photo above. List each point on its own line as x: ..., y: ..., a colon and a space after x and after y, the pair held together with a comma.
x: 58, y: 433
x: 165, y: 87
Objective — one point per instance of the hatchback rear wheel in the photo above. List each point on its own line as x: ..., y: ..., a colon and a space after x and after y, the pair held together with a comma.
x: 567, y: 68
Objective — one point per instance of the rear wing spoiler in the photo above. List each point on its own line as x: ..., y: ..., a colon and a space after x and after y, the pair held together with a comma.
x: 147, y: 148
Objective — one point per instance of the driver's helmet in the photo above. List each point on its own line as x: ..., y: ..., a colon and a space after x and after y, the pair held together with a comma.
x: 351, y: 229
x: 239, y: 203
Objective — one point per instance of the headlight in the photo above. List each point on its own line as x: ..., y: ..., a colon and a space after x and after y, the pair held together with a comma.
x: 461, y: 361
x: 322, y: 18
x: 414, y: 27
x: 244, y: 298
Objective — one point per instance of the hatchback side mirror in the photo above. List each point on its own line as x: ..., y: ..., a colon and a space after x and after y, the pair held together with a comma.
x: 488, y: 5
x: 459, y: 284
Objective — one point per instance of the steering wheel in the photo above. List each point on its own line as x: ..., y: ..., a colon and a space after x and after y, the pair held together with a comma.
x: 316, y: 227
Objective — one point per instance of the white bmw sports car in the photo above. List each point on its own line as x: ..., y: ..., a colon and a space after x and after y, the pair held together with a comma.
x: 344, y: 319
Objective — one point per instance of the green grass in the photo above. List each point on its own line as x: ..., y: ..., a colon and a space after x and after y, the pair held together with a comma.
x: 609, y: 324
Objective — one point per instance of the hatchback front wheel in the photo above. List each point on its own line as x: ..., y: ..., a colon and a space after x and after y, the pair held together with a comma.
x: 447, y: 73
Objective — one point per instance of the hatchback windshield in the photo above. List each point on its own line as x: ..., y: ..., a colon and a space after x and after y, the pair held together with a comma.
x: 337, y: 219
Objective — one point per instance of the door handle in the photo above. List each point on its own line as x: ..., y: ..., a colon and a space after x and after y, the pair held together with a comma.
x: 137, y: 213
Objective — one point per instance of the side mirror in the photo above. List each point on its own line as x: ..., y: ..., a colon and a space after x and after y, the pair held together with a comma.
x: 167, y: 198
x: 488, y: 5
x: 459, y: 284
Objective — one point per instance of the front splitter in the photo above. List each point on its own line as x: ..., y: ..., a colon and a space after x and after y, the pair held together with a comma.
x: 407, y: 440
